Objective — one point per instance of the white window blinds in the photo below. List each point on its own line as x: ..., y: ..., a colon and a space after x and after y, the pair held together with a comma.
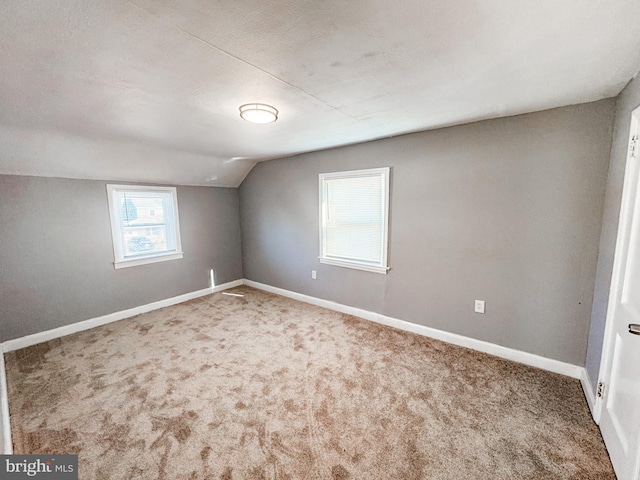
x: 354, y: 209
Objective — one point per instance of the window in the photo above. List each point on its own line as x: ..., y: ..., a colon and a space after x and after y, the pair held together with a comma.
x: 144, y: 224
x: 354, y: 211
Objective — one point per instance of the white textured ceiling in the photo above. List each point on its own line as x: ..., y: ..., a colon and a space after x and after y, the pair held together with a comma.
x: 149, y: 90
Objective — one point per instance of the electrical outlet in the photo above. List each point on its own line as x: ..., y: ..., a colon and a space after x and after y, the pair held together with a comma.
x: 313, y: 274
x: 479, y: 308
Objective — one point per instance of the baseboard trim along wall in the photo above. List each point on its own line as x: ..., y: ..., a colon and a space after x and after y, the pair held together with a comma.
x: 47, y: 335
x: 6, y: 446
x: 589, y: 394
x: 530, y: 359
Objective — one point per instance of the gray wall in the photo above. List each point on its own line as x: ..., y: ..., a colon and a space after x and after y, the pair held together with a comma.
x: 57, y: 253
x: 507, y: 211
x: 626, y: 102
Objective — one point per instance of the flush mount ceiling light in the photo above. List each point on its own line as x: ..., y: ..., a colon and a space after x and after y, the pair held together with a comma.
x: 258, y: 113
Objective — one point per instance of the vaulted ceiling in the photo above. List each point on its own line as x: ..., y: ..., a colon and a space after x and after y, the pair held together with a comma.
x: 149, y: 90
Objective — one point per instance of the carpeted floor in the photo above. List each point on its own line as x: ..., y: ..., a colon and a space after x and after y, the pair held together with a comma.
x: 264, y: 387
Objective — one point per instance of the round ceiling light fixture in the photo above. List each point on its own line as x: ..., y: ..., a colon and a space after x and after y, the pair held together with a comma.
x: 258, y: 113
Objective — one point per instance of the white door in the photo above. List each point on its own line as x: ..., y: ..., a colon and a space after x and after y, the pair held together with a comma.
x: 619, y: 407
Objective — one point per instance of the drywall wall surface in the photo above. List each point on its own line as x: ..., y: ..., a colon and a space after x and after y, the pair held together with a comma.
x: 507, y: 211
x: 627, y: 101
x: 57, y: 255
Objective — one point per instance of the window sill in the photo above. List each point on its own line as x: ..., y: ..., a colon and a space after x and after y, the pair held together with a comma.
x: 354, y: 265
x: 133, y: 262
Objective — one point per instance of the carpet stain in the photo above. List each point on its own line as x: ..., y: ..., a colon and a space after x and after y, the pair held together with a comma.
x: 204, y: 454
x: 228, y: 474
x: 290, y: 405
x: 262, y: 386
x: 338, y: 472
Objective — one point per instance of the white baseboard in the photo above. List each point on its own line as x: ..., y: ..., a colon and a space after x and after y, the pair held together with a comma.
x: 47, y: 335
x: 6, y: 446
x: 589, y: 394
x: 518, y: 356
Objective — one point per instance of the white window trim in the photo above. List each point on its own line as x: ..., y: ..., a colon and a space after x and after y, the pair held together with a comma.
x: 383, y: 268
x: 353, y: 264
x: 119, y: 260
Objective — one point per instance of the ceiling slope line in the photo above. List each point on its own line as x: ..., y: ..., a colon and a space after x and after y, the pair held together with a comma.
x: 231, y: 55
x: 628, y: 59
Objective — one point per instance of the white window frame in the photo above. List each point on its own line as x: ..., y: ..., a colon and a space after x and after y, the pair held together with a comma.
x: 120, y: 261
x: 382, y: 267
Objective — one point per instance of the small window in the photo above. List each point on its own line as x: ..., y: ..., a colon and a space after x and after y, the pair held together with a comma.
x: 144, y: 224
x: 354, y: 211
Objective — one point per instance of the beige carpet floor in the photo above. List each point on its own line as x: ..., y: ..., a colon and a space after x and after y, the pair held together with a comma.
x: 264, y: 387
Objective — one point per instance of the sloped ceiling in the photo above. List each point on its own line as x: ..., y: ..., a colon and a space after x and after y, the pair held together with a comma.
x: 149, y: 90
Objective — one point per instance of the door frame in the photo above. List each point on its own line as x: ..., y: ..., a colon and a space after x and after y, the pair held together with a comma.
x: 632, y: 165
